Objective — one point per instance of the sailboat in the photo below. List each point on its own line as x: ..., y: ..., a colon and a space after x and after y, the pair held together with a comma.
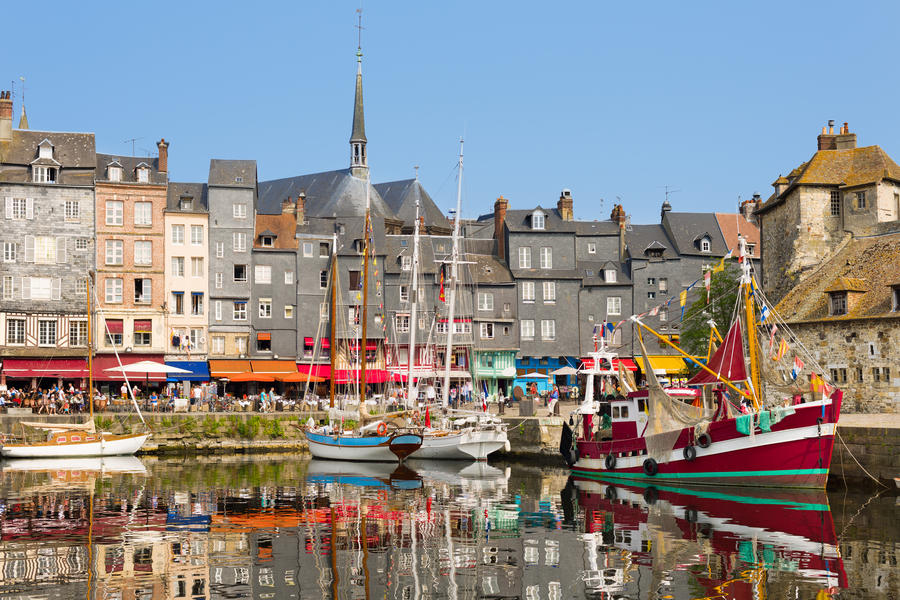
x: 79, y: 439
x: 673, y: 435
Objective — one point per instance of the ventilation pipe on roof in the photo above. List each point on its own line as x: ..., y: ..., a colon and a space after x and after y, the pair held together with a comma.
x: 500, y: 207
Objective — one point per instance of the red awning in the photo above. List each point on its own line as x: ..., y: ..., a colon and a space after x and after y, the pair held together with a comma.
x: 115, y: 326
x: 108, y: 361
x: 264, y: 336
x: 143, y: 326
x: 354, y: 345
x: 354, y: 376
x: 588, y: 363
x: 26, y: 368
x: 325, y: 344
x: 316, y: 370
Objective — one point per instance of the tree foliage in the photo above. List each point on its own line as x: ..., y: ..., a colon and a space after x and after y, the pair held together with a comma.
x: 695, y: 330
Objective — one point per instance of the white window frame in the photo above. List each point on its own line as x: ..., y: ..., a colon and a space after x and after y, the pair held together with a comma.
x: 538, y: 220
x: 115, y: 252
x: 239, y: 210
x: 198, y: 310
x: 485, y: 301
x: 197, y: 267
x: 220, y: 281
x: 524, y: 257
x: 592, y: 248
x: 42, y: 334
x: 115, y: 212
x: 262, y: 274
x: 144, y: 256
x: 143, y: 175
x: 528, y: 292
x: 404, y: 293
x: 239, y: 241
x: 705, y: 245
x: 220, y: 249
x: 401, y: 323
x: 73, y: 210
x: 405, y: 263
x: 609, y: 275
x: 196, y: 235
x: 218, y: 344
x: 143, y: 214
x: 614, y: 306
x: 114, y: 289
x: 178, y: 234
x: 246, y: 274
x: 41, y: 288
x: 486, y: 331
x: 239, y: 311
x: 177, y: 266
x: 526, y: 329
x: 546, y: 257
x: 288, y: 278
x: 265, y: 308
x: 218, y: 310
x: 10, y: 252
x: 548, y: 329
x: 549, y: 289
x: 307, y: 249
x: 17, y: 337
x: 288, y: 311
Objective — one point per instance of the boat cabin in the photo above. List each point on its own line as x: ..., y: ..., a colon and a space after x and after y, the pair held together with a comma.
x: 629, y: 414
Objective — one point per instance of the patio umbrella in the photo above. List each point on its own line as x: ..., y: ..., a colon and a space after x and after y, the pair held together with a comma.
x: 567, y: 370
x: 534, y: 375
x: 146, y: 367
x: 299, y: 378
x: 250, y: 376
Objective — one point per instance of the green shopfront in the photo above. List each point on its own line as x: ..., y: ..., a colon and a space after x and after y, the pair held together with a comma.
x: 495, y: 370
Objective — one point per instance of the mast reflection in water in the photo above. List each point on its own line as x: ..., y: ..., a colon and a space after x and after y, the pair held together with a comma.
x: 286, y: 527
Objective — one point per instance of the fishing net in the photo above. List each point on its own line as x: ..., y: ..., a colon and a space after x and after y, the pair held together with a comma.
x: 667, y: 417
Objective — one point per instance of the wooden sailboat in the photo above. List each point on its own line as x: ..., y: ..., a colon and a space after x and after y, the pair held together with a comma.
x: 663, y: 435
x: 79, y: 439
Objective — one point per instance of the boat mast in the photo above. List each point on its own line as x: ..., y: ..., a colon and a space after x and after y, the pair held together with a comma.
x: 454, y: 263
x: 365, y: 299
x: 412, y: 311
x: 90, y: 345
x: 746, y: 283
x: 334, y: 284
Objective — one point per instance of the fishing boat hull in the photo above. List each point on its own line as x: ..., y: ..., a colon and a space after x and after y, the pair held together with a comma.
x: 390, y: 448
x: 795, y: 453
x: 461, y: 445
x: 106, y: 445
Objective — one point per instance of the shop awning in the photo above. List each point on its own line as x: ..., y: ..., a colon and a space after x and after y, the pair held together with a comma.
x: 26, y: 368
x: 108, y: 361
x: 143, y: 326
x: 323, y: 371
x: 199, y: 370
x: 354, y: 376
x: 272, y: 367
x: 354, y: 345
x: 588, y: 363
x: 264, y: 335
x: 115, y: 326
x: 226, y: 368
x: 250, y: 376
x: 671, y: 365
x: 325, y: 343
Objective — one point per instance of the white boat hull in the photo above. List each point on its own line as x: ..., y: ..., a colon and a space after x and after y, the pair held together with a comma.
x: 461, y: 445
x: 107, y: 445
x: 377, y: 449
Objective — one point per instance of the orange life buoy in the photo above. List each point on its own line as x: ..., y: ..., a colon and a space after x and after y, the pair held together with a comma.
x: 382, y: 428
x: 382, y: 495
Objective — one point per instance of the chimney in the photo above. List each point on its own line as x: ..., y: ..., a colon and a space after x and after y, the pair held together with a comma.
x: 288, y: 207
x: 846, y: 140
x: 5, y: 117
x: 666, y: 207
x: 827, y: 140
x: 300, y: 210
x: 618, y: 216
x: 565, y: 206
x: 500, y: 207
x: 163, y: 146
x: 748, y: 207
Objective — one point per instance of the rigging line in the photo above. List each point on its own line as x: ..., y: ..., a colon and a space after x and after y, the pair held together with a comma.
x: 873, y: 478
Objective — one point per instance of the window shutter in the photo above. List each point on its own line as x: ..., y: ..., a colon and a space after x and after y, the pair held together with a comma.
x: 16, y: 284
x: 146, y: 289
x: 61, y: 250
x: 26, y: 288
x: 9, y: 208
x: 29, y: 208
x: 29, y: 248
x: 55, y: 288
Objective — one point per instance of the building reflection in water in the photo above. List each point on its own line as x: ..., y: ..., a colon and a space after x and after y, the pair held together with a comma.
x: 114, y: 529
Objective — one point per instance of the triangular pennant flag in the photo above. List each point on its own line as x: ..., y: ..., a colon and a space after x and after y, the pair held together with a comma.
x: 764, y: 314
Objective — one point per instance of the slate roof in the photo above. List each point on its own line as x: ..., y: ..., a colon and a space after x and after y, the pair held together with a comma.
x: 75, y: 151
x: 282, y: 226
x: 226, y: 173
x: 587, y: 228
x: 129, y: 165
x: 488, y: 269
x: 732, y: 224
x: 596, y: 268
x: 197, y: 191
x: 686, y: 230
x: 395, y: 248
x: 847, y: 168
x: 642, y: 237
x: 401, y: 197
x: 328, y: 194
x: 872, y: 263
x: 520, y: 221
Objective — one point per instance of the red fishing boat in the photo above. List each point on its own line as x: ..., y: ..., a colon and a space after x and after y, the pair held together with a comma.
x: 745, y: 423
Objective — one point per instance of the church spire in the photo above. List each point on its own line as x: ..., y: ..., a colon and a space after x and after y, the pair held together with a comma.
x: 358, y: 165
x: 23, y: 120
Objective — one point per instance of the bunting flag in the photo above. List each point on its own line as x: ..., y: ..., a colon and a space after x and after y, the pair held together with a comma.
x: 707, y: 281
x: 427, y: 417
x: 782, y: 350
x: 610, y: 327
x: 797, y: 368
x: 682, y: 298
x: 764, y: 314
x: 721, y: 266
x: 772, y: 338
x: 441, y: 293
x: 484, y: 395
x: 654, y: 311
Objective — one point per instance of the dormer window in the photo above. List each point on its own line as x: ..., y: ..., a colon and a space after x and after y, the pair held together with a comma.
x: 895, y: 295
x: 406, y: 263
x: 266, y: 241
x: 609, y: 275
x: 43, y: 174
x: 186, y: 203
x: 45, y: 150
x: 537, y: 220
x: 654, y: 252
x: 838, y: 303
x: 114, y: 173
x: 750, y: 249
x: 705, y: 245
x: 143, y: 174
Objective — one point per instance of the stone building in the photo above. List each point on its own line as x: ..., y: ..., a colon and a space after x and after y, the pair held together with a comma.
x: 186, y: 278
x: 232, y: 195
x: 846, y: 312
x: 841, y: 191
x: 131, y: 195
x: 47, y: 239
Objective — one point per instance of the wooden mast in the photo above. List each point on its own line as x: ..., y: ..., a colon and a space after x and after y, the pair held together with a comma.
x: 90, y: 345
x: 334, y: 284
x: 750, y: 313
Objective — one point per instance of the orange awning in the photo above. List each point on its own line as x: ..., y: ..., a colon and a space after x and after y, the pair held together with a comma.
x: 227, y: 368
x: 273, y: 367
x: 300, y: 378
x: 248, y: 376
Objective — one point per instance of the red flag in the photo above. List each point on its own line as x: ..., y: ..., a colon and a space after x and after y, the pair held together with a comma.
x: 441, y: 294
x: 707, y: 280
x: 427, y: 417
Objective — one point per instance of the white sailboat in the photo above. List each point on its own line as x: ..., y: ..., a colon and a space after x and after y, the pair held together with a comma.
x: 79, y: 439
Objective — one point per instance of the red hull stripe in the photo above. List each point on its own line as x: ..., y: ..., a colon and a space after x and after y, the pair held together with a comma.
x: 702, y: 475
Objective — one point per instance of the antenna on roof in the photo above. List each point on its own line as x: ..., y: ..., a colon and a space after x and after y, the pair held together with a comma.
x: 669, y: 191
x: 132, y: 140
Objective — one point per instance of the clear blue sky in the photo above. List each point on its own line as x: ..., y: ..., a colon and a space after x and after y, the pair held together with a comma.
x: 607, y: 99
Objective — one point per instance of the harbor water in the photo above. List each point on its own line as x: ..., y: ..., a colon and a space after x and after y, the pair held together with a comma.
x: 290, y: 527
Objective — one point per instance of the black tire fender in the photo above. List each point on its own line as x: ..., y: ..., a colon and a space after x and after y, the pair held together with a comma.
x: 610, y: 462
x: 690, y: 453
x: 651, y: 495
x: 611, y: 493
x: 690, y: 514
x: 704, y: 440
x: 650, y: 467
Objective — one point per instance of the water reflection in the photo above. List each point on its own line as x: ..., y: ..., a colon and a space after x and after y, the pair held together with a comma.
x: 268, y: 527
